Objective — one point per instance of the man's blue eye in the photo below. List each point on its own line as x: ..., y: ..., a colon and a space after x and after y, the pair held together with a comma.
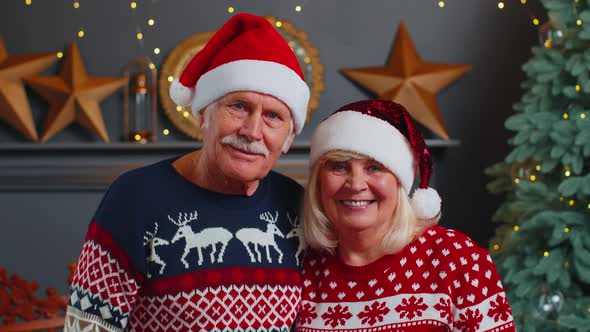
x: 339, y: 166
x: 273, y: 115
x: 239, y: 106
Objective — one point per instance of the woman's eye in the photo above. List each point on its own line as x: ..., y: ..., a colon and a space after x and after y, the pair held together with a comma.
x: 374, y: 168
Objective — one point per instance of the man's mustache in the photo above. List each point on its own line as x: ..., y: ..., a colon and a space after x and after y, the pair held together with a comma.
x: 241, y: 143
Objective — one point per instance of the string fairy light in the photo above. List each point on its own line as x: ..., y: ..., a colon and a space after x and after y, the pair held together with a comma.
x: 441, y: 4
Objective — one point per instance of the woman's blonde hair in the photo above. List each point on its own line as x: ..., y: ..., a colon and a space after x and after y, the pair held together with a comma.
x: 319, y: 232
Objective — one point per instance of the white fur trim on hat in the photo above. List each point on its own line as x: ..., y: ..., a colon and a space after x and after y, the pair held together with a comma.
x: 426, y: 203
x: 266, y: 77
x: 372, y: 137
x: 181, y: 94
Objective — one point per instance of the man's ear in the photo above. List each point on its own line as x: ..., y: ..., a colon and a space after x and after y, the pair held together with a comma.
x: 288, y: 142
x: 201, y: 118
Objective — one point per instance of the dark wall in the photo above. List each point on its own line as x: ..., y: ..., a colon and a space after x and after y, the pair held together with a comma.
x: 41, y: 232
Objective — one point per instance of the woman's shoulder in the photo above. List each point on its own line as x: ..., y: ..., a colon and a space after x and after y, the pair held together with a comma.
x: 447, y: 241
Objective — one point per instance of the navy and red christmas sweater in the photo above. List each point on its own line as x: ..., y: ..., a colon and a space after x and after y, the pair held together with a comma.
x: 162, y: 254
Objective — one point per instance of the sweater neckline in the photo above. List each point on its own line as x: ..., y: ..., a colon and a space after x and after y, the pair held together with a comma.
x: 361, y: 273
x: 222, y: 200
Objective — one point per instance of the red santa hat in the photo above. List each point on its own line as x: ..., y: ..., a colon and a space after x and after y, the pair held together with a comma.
x: 384, y: 131
x: 246, y: 54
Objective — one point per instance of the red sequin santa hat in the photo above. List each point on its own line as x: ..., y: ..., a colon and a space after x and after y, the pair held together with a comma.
x: 384, y: 131
x: 246, y: 54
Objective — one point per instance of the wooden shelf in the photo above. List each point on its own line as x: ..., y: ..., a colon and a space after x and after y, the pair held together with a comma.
x: 160, y: 146
x: 93, y: 166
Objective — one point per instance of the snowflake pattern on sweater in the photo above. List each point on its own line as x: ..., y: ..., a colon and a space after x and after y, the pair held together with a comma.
x: 162, y: 254
x: 442, y: 281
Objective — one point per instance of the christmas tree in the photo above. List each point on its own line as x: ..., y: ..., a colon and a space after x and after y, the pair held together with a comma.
x: 542, y: 245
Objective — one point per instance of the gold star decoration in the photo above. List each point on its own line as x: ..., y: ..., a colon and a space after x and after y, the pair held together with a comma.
x: 408, y: 80
x: 74, y: 96
x: 14, y: 106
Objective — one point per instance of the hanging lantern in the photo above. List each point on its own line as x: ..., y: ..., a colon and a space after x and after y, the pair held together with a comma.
x: 140, y: 123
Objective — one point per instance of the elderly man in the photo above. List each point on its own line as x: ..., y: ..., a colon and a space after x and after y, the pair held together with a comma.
x: 198, y: 242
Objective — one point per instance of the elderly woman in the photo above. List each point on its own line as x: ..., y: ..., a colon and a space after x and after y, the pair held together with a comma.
x: 379, y: 261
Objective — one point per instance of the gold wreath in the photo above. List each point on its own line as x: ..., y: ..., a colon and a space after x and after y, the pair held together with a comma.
x: 180, y: 55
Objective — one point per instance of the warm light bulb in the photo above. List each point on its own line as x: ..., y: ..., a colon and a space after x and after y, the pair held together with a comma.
x: 307, y: 59
x: 578, y: 87
x: 60, y: 55
x: 533, y: 178
x: 170, y: 78
x: 568, y: 173
x: 565, y: 115
x: 589, y: 205
x: 561, y: 199
x: 583, y: 115
x: 579, y: 22
x: 76, y: 4
x: 230, y: 9
x: 441, y: 4
x: 298, y: 8
x: 137, y: 137
x: 28, y: 2
x: 546, y: 254
x: 536, y: 21
x: 567, y: 230
x: 523, y: 1
x: 178, y: 108
x: 496, y: 247
x: 538, y: 167
x: 185, y: 114
x: 516, y: 228
x: 501, y: 5
x: 156, y: 50
x: 572, y: 202
x: 166, y: 132
x: 517, y: 181
x: 133, y: 4
x: 566, y: 264
x: 139, y: 35
x: 547, y: 43
x: 279, y: 24
x: 81, y: 33
x: 151, y: 22
x: 152, y: 66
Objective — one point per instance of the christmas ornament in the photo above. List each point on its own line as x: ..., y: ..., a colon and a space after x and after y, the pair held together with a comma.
x: 14, y: 107
x: 74, y: 96
x: 527, y: 170
x: 408, y: 80
x: 550, y: 35
x: 547, y: 303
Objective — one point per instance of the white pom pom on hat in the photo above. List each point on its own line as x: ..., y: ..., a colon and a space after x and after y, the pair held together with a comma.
x: 181, y: 94
x: 384, y: 131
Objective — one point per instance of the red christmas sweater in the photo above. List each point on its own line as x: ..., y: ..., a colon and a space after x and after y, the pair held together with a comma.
x: 442, y: 281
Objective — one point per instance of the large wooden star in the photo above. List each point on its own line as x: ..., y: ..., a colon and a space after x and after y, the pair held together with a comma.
x: 408, y: 80
x: 14, y: 106
x: 74, y: 96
